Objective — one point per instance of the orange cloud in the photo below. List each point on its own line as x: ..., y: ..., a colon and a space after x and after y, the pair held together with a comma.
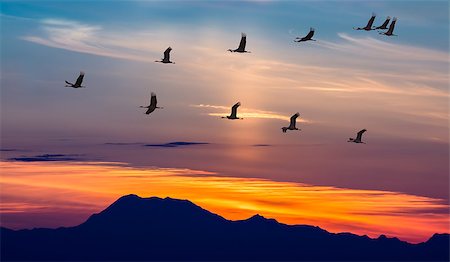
x: 83, y: 188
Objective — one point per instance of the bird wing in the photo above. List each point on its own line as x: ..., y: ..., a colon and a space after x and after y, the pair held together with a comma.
x: 359, y: 134
x: 150, y: 109
x: 386, y: 22
x: 310, y: 34
x: 370, y: 22
x: 234, y: 109
x: 391, y: 27
x: 79, y: 79
x: 167, y: 53
x: 243, y: 42
x: 294, y: 119
x: 153, y: 100
x: 68, y: 83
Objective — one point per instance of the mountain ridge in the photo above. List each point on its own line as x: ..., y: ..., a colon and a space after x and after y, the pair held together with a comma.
x: 135, y: 228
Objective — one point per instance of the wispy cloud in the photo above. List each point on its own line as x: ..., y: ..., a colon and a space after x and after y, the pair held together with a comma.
x: 177, y: 144
x: 85, y: 38
x: 48, y: 157
x: 249, y: 113
x: 372, y: 47
x: 73, y: 189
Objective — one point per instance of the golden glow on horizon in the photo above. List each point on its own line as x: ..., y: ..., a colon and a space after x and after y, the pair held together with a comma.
x: 72, y: 186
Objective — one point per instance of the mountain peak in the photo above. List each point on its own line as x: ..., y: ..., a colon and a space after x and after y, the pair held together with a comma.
x: 137, y: 211
x: 257, y: 217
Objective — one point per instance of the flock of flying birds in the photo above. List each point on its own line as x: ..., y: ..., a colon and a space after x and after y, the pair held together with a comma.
x: 241, y: 49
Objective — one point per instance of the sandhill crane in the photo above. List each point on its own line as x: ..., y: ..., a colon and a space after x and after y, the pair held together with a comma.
x: 233, y: 114
x: 358, y: 137
x: 308, y: 37
x: 292, y: 124
x: 152, y: 105
x: 384, y: 25
x: 77, y: 83
x: 390, y: 31
x: 166, y: 59
x: 241, y: 48
x: 368, y: 27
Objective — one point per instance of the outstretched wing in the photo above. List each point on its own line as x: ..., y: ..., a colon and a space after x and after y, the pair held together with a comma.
x: 68, y: 83
x: 294, y: 119
x: 384, y: 25
x: 359, y: 135
x: 79, y: 79
x: 370, y: 22
x: 391, y: 27
x: 167, y: 53
x: 153, y: 100
x: 234, y: 109
x: 243, y: 42
x: 149, y: 110
x: 310, y: 34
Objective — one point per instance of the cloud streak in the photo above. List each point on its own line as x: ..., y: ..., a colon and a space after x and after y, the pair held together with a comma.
x: 249, y: 113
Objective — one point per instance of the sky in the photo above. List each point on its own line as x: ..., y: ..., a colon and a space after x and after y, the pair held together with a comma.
x: 395, y: 87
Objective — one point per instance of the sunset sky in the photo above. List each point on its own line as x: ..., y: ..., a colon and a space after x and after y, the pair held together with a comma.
x: 102, y: 145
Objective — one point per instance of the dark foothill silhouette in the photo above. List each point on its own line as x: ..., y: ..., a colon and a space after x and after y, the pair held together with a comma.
x: 390, y: 31
x: 152, y: 105
x: 384, y: 25
x: 308, y: 37
x: 135, y: 228
x: 358, y: 138
x: 166, y: 59
x: 241, y: 48
x: 77, y: 83
x: 292, y: 123
x: 368, y: 27
x: 233, y: 114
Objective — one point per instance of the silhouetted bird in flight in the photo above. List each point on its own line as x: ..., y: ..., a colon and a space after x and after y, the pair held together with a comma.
x: 152, y: 105
x: 292, y: 124
x: 368, y: 27
x: 384, y: 25
x: 77, y: 83
x: 233, y: 114
x: 241, y: 48
x: 390, y: 31
x: 166, y: 59
x: 358, y: 137
x: 308, y: 37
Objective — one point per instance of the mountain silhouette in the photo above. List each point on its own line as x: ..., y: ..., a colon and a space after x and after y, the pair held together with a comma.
x: 135, y: 228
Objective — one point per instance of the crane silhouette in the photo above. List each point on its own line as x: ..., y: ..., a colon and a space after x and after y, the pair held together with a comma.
x: 308, y: 37
x: 385, y: 23
x: 233, y: 114
x: 152, y: 105
x: 241, y: 48
x: 166, y: 59
x: 292, y: 123
x: 390, y: 31
x: 368, y: 27
x: 77, y: 83
x: 358, y: 137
